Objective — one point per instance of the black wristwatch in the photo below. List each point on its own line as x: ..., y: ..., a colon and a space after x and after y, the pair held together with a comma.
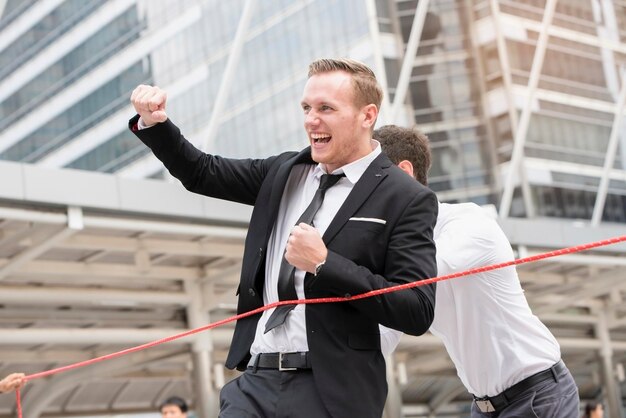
x: 318, y: 267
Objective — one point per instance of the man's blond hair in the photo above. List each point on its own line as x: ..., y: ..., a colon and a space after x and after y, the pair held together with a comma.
x: 366, y: 88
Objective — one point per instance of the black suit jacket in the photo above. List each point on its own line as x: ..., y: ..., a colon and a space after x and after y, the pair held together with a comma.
x: 343, y: 338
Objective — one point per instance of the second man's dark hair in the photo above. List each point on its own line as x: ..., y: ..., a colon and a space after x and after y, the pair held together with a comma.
x: 406, y: 144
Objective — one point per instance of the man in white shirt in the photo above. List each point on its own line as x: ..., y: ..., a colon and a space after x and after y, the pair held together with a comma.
x: 503, y: 354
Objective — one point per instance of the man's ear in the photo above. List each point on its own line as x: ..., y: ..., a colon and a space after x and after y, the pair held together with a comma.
x: 407, y: 167
x: 370, y: 114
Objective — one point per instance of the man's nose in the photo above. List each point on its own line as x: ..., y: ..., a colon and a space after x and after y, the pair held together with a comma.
x: 311, y: 119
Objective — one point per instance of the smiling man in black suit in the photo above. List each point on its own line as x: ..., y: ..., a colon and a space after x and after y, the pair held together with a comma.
x: 336, y: 219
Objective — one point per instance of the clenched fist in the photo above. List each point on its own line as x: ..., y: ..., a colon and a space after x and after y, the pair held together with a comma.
x: 149, y: 103
x: 305, y: 248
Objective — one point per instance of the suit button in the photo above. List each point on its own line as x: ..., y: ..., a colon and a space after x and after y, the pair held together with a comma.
x: 251, y: 292
x: 260, y: 252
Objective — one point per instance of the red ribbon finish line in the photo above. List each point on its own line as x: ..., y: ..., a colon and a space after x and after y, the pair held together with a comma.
x: 556, y: 253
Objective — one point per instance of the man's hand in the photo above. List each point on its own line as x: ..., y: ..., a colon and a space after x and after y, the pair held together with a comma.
x: 149, y: 103
x: 12, y: 382
x: 305, y: 248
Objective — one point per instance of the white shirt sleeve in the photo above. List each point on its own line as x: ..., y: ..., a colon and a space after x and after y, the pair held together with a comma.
x: 389, y: 340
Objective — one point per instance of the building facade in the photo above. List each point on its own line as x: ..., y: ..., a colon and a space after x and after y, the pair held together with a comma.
x: 68, y: 68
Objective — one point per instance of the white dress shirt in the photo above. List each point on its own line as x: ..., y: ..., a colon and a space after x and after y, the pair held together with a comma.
x: 303, y: 181
x: 484, y: 320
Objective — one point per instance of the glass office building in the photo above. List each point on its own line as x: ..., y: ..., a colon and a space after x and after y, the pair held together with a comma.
x: 470, y: 83
x: 67, y: 68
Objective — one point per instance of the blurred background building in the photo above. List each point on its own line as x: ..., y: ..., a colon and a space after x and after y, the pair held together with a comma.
x: 523, y: 101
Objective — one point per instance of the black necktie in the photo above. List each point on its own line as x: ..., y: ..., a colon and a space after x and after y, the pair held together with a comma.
x: 286, y: 287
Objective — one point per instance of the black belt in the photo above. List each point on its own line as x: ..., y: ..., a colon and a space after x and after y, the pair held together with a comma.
x: 502, y: 400
x: 281, y: 361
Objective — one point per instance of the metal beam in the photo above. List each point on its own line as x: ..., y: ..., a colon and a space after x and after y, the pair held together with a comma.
x: 429, y: 341
x: 573, y: 319
x: 109, y: 336
x: 65, y: 269
x: 81, y: 314
x: 522, y: 129
x: 47, y: 356
x: 503, y: 55
x: 586, y: 259
x: 409, y: 58
x: 74, y: 224
x: 559, y: 31
x: 153, y: 246
x: 16, y: 295
x: 44, y: 392
x: 229, y: 73
x: 481, y: 73
x: 552, y: 233
x: 379, y: 59
x: 591, y: 289
x: 140, y: 225
x: 125, y: 224
x: 611, y: 152
x: 54, y: 356
x: 28, y: 215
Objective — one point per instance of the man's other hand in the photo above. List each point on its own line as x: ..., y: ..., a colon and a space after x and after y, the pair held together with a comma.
x: 12, y: 382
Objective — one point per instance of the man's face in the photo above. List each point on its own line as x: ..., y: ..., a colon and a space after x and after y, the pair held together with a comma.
x: 172, y: 411
x: 338, y: 131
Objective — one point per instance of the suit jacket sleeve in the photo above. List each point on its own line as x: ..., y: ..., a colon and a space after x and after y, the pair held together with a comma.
x: 206, y: 174
x: 410, y: 256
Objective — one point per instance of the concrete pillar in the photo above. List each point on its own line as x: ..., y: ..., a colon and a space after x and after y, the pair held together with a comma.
x: 393, y: 406
x: 613, y: 400
x: 206, y: 401
x: 205, y: 395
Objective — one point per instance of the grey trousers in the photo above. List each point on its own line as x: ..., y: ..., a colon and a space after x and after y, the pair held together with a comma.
x: 552, y: 399
x: 272, y: 393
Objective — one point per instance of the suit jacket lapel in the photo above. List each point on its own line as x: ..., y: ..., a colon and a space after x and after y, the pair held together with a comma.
x: 278, y: 186
x: 362, y: 190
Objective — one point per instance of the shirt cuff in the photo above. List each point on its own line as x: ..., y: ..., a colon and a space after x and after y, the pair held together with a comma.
x: 141, y: 125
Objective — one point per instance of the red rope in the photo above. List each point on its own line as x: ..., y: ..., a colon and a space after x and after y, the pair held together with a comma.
x: 563, y: 251
x: 18, y: 403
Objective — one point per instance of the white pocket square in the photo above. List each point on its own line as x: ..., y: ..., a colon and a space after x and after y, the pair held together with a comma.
x: 375, y: 220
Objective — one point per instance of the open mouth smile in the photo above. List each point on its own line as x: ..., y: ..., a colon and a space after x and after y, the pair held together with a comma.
x: 320, y: 138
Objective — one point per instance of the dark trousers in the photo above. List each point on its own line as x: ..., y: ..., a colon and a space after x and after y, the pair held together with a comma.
x: 555, y: 398
x: 272, y: 393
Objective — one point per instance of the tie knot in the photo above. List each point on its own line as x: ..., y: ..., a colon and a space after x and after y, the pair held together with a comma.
x: 329, y: 180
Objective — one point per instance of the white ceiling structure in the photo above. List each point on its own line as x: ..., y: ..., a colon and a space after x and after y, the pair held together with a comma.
x: 87, y: 270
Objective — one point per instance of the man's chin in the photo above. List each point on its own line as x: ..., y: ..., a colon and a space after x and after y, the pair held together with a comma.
x: 317, y: 156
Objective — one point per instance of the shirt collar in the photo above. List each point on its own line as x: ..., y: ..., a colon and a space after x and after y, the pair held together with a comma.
x: 355, y: 169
